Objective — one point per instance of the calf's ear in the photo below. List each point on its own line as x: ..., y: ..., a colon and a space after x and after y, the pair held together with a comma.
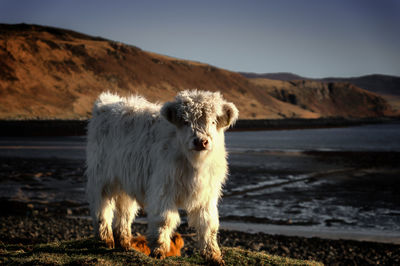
x: 170, y: 112
x: 229, y: 115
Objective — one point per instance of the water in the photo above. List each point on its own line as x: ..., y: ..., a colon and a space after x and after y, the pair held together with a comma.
x: 347, y: 185
x: 384, y: 137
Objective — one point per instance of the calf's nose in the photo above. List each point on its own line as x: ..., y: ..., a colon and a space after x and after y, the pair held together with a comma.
x: 200, y: 144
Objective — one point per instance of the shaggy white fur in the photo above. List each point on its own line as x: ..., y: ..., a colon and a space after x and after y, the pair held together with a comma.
x: 161, y: 158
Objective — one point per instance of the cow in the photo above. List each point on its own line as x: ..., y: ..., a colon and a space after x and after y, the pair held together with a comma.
x: 160, y: 158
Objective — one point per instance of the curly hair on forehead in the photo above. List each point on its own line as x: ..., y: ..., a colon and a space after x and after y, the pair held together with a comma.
x: 195, y: 105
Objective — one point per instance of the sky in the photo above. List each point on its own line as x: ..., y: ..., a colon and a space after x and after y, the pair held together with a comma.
x: 311, y: 38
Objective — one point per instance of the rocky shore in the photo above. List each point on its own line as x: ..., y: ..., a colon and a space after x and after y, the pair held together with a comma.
x: 37, y: 227
x: 37, y: 205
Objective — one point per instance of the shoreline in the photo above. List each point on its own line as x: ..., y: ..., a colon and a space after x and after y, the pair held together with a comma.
x: 32, y: 184
x: 27, y: 219
x: 388, y: 237
x: 37, y: 228
x: 57, y: 127
x: 360, y: 235
x: 42, y: 201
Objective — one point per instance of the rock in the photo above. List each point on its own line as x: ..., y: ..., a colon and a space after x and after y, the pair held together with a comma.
x: 257, y: 246
x: 285, y: 249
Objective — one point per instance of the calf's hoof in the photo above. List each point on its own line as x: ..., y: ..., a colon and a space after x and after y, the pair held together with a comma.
x: 218, y: 262
x: 214, y: 258
x: 110, y: 243
x: 158, y: 253
x: 125, y: 243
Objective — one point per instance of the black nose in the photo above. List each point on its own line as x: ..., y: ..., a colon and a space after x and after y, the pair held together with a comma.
x: 200, y: 144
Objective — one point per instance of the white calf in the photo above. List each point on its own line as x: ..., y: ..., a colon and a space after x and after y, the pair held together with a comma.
x: 161, y: 158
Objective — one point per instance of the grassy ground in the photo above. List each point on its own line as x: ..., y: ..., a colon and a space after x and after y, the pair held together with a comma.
x: 91, y: 252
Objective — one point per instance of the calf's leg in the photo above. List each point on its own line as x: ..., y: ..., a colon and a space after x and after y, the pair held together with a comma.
x: 160, y: 230
x: 126, y: 209
x: 105, y: 219
x: 206, y: 222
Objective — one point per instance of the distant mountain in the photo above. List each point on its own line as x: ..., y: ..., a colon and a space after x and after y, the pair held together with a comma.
x: 385, y: 85
x: 47, y: 72
x: 326, y: 98
x: 382, y: 84
x: 274, y: 76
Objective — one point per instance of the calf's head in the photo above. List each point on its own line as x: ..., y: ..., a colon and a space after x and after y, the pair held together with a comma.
x: 201, y: 117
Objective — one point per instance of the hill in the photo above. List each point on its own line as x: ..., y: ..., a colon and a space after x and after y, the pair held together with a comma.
x: 326, y: 99
x: 386, y: 86
x: 48, y: 73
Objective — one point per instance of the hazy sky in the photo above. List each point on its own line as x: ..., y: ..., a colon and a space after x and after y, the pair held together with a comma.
x: 313, y: 38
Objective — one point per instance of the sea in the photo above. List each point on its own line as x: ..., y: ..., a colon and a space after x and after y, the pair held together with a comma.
x: 331, y: 183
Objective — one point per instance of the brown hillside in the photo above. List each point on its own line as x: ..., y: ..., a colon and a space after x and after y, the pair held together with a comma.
x: 52, y: 73
x: 327, y: 99
x: 388, y: 87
